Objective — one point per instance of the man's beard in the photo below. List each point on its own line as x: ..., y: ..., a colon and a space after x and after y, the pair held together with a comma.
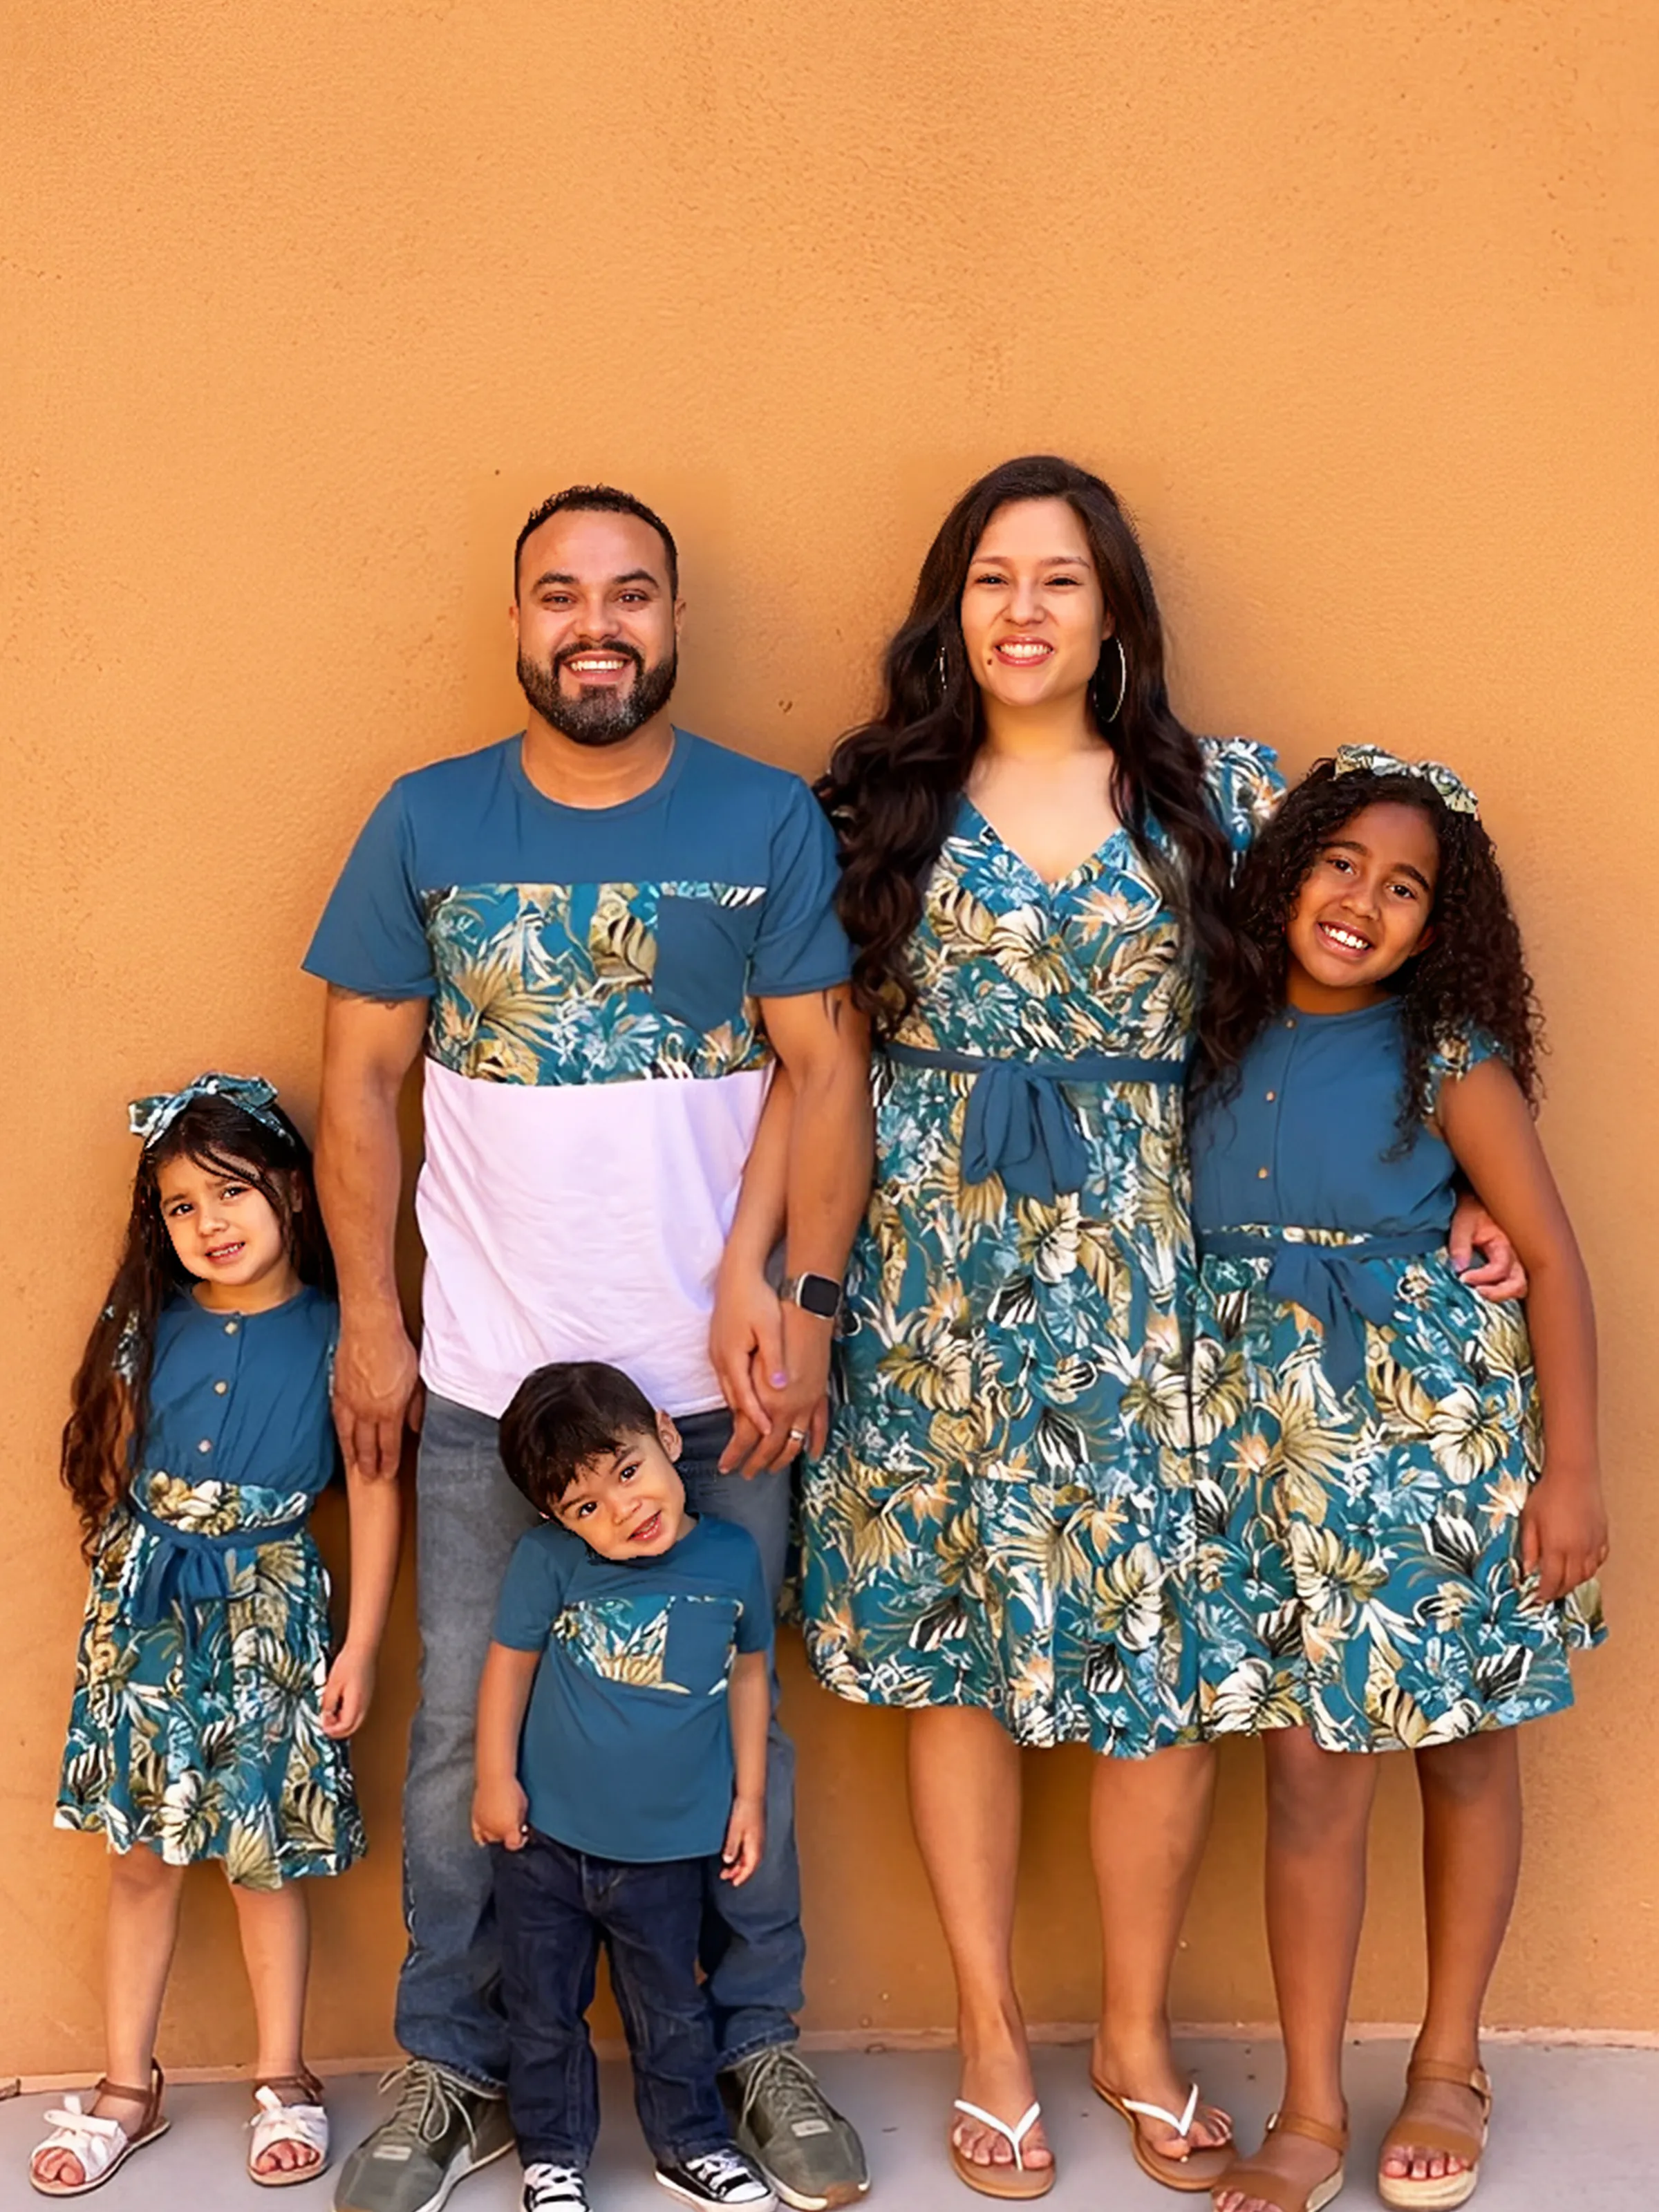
x: 601, y: 716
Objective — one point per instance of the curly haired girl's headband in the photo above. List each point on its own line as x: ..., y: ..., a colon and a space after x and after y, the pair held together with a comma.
x: 1448, y: 786
x: 151, y: 1118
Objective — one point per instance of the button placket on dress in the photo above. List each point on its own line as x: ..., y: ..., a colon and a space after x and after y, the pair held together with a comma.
x: 217, y: 1388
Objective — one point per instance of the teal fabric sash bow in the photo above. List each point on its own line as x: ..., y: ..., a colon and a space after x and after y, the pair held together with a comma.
x: 187, y: 1569
x: 1331, y: 1281
x: 1019, y: 1123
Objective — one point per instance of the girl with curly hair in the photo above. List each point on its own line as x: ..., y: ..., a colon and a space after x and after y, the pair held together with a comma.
x: 1400, y: 1507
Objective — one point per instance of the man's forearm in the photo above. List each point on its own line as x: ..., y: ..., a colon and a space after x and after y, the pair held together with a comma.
x: 360, y: 1171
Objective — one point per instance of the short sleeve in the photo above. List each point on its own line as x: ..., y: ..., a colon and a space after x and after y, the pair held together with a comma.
x: 754, y: 1631
x: 532, y: 1594
x: 372, y: 938
x: 1245, y: 786
x: 1455, y: 1057
x: 800, y: 944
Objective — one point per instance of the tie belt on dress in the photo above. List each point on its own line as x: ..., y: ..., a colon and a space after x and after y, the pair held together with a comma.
x: 187, y: 1569
x: 1330, y: 1281
x: 1019, y: 1125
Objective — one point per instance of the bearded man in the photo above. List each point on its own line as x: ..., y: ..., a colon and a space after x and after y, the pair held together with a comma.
x: 601, y: 933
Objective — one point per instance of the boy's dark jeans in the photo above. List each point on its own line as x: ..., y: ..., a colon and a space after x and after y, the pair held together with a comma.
x: 556, y: 1906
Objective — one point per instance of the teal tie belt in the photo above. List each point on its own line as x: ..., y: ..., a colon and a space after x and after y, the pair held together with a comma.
x: 187, y: 1569
x: 1331, y: 1281
x: 1019, y: 1123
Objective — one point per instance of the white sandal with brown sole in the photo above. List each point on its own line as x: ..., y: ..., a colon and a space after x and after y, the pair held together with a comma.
x: 1008, y: 2181
x: 100, y: 2146
x: 304, y: 2122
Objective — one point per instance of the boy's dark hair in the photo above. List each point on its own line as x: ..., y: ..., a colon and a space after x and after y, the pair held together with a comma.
x: 1471, y: 974
x: 564, y: 1415
x: 600, y: 499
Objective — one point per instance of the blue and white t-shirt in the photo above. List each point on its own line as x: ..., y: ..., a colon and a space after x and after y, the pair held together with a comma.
x: 594, y: 1065
x: 626, y: 1744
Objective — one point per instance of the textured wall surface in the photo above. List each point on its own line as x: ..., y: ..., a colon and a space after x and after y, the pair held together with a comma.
x: 305, y: 304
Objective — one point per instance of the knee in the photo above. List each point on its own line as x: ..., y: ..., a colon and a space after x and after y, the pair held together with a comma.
x: 1315, y: 1798
x: 140, y: 1872
x: 1475, y: 1767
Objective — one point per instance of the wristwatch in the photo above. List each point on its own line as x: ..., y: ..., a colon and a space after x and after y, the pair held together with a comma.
x: 813, y: 1294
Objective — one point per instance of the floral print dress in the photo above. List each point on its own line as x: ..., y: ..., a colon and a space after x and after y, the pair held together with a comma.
x: 1368, y: 1427
x: 1002, y: 1515
x: 196, y: 1727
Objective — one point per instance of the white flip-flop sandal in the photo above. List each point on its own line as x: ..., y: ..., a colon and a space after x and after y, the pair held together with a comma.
x: 98, y: 2145
x: 1019, y: 2180
x: 305, y: 2123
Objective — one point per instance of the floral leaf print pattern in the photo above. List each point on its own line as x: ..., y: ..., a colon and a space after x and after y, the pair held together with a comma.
x: 551, y: 983
x: 618, y: 1638
x: 212, y: 1746
x: 1004, y: 1514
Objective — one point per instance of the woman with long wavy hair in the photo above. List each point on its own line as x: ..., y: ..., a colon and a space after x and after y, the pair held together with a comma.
x: 1036, y: 857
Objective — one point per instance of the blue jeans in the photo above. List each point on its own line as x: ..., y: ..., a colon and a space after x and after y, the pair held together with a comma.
x: 556, y: 1906
x: 449, y: 2001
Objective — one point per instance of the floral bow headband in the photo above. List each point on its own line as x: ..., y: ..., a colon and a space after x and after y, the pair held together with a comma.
x: 151, y: 1118
x: 1374, y: 760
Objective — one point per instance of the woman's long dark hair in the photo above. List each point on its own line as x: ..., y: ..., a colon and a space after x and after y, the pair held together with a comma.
x: 1471, y: 974
x: 110, y: 1398
x: 893, y: 784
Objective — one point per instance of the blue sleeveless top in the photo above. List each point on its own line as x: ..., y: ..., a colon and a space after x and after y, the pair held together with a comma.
x: 1307, y: 1151
x: 243, y: 1398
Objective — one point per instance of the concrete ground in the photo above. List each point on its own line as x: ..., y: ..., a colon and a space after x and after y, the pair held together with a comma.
x: 1573, y: 2129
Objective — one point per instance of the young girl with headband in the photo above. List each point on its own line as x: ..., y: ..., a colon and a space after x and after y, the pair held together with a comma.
x: 208, y: 1722
x: 1400, y: 1507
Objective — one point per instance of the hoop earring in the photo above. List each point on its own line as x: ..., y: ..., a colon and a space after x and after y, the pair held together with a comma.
x: 1123, y: 679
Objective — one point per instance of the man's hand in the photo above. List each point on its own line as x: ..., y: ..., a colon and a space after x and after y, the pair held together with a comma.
x: 745, y: 1839
x: 745, y: 1345
x: 1498, y: 1274
x: 499, y: 1811
x: 377, y: 1389
x: 348, y: 1693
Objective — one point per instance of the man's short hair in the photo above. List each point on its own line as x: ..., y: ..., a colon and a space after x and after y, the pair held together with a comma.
x: 600, y: 499
x: 564, y: 1415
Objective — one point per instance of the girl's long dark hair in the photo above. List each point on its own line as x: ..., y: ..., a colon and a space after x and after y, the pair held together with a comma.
x: 893, y: 783
x: 110, y: 1398
x: 1472, y: 974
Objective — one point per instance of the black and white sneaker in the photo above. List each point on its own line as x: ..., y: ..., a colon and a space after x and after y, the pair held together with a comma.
x: 717, y: 2177
x: 554, y: 2189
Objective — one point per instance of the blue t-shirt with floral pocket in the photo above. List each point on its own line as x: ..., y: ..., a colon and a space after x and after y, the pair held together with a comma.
x: 627, y: 1745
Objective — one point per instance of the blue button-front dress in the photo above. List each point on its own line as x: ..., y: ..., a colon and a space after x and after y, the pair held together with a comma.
x: 1368, y: 1427
x: 196, y: 1729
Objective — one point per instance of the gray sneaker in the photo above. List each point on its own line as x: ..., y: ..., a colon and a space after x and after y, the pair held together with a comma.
x: 442, y: 2130
x: 810, y: 2156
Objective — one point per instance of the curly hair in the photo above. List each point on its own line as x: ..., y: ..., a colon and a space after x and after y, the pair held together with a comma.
x: 893, y: 783
x: 109, y: 1400
x: 1472, y: 974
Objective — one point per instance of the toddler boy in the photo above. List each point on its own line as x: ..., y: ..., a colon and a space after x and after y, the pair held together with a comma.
x: 620, y: 1759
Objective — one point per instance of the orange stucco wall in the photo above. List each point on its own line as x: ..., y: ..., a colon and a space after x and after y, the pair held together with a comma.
x: 305, y: 304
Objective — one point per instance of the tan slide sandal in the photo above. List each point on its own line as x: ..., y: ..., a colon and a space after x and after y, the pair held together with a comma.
x: 1192, y: 2171
x: 1018, y: 2180
x: 1400, y: 2191
x: 1275, y: 2189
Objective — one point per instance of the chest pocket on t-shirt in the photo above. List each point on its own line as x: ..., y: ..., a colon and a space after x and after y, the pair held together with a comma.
x: 700, y: 1644
x: 703, y: 949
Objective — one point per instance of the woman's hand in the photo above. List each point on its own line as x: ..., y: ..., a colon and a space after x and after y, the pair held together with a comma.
x: 1564, y: 1532
x: 348, y: 1693
x: 1498, y: 1274
x: 745, y: 1839
x: 499, y: 1811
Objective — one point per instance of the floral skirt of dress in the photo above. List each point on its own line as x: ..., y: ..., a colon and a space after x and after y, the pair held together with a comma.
x: 1359, y: 1555
x: 207, y: 1743
x: 1002, y: 1516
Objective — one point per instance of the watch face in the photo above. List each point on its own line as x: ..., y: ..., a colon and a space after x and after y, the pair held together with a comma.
x: 817, y: 1294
